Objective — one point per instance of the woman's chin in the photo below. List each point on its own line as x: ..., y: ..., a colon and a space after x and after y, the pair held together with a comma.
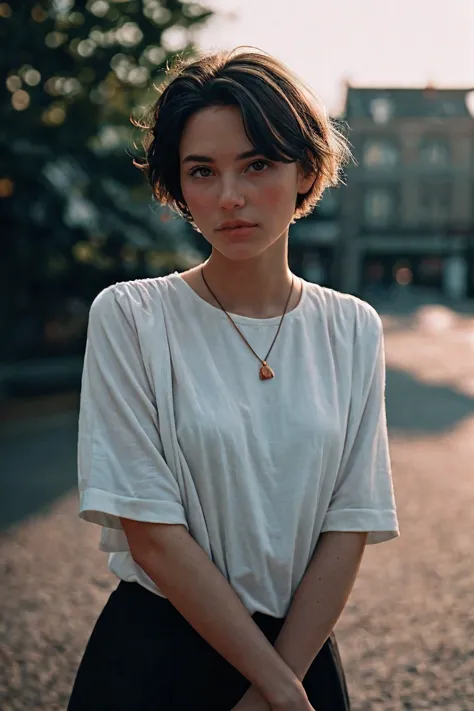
x: 238, y: 252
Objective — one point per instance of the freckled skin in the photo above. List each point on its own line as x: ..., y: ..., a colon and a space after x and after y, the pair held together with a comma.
x: 253, y: 189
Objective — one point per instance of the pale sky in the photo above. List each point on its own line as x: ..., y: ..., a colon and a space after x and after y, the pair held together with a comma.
x: 370, y: 42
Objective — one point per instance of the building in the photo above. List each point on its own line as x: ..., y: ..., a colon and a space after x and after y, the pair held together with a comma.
x: 407, y: 211
x: 315, y: 241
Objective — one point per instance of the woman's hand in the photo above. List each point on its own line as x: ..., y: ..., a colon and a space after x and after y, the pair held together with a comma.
x: 302, y: 704
x: 252, y: 700
x: 295, y: 700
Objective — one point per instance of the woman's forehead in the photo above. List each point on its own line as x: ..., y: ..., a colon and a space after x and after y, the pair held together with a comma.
x: 216, y: 130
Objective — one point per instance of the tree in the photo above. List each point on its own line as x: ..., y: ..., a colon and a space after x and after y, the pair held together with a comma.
x: 76, y: 211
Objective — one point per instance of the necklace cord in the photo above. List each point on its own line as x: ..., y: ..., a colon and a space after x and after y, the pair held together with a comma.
x: 264, y: 361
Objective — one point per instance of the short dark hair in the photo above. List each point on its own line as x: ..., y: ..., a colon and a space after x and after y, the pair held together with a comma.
x: 282, y: 117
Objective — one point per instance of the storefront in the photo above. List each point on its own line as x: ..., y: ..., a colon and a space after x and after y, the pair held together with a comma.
x: 449, y: 274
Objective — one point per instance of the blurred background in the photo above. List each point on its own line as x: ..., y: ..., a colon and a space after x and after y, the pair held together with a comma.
x: 76, y: 216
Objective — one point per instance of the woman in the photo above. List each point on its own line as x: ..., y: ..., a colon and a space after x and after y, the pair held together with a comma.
x: 232, y: 440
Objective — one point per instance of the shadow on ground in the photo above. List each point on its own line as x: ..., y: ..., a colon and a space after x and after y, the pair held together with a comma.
x: 415, y: 408
x: 38, y: 459
x: 38, y: 466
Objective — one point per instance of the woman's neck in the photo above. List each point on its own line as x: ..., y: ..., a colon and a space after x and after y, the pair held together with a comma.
x: 247, y: 288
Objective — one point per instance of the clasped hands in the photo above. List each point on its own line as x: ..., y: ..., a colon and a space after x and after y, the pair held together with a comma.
x: 252, y: 700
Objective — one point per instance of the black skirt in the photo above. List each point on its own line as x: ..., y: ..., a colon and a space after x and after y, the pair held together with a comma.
x: 143, y: 655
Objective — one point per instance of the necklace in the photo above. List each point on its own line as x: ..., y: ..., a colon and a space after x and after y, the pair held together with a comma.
x: 266, y: 372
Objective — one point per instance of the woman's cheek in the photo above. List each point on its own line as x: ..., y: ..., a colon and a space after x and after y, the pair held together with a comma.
x: 197, y: 198
x: 273, y: 195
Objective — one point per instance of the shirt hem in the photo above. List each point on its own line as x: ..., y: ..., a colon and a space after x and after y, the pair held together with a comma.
x: 105, y: 509
x: 381, y: 525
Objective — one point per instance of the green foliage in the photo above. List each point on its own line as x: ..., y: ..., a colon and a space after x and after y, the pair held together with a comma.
x: 77, y: 65
x: 70, y: 197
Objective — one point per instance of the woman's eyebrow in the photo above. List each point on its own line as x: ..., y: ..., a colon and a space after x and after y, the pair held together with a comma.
x: 194, y: 158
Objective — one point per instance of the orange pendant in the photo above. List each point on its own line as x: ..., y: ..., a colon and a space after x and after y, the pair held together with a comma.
x: 266, y: 372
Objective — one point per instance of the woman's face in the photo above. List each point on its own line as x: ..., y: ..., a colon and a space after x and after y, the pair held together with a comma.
x: 221, y: 182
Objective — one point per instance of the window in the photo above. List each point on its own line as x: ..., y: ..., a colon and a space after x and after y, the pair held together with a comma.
x: 470, y: 102
x: 435, y: 153
x: 381, y: 110
x: 380, y: 154
x: 379, y: 207
x: 435, y: 202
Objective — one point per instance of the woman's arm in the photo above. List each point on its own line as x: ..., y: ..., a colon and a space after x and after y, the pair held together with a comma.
x: 362, y: 500
x: 320, y: 598
x: 316, y: 606
x: 183, y: 571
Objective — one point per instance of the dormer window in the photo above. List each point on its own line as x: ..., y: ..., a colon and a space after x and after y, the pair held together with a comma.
x: 381, y: 110
x: 435, y: 153
x: 380, y: 154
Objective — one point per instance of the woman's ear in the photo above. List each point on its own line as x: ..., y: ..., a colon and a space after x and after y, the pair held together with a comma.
x: 305, y: 180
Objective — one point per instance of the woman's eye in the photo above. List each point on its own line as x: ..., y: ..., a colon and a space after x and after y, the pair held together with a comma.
x: 258, y: 165
x: 194, y: 171
x: 262, y: 163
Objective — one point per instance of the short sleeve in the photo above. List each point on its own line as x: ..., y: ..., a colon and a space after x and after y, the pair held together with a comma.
x: 363, y: 497
x: 121, y: 468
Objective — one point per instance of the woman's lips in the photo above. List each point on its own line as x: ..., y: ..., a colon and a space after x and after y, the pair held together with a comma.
x: 238, y: 231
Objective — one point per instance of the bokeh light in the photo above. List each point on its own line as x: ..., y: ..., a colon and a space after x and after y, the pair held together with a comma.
x: 403, y: 276
x: 54, y: 115
x: 38, y: 14
x: 99, y: 8
x: 13, y: 83
x: 6, y: 187
x: 20, y: 100
x: 5, y: 10
x: 31, y: 76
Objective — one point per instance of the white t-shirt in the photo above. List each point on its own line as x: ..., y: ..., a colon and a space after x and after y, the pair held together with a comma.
x: 176, y: 427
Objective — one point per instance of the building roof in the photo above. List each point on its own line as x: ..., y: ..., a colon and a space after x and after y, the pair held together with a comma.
x: 382, y: 104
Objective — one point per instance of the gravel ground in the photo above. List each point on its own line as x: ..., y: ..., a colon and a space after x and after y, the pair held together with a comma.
x: 406, y: 635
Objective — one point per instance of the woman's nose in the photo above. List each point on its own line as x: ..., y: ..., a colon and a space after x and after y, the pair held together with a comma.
x: 231, y: 195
